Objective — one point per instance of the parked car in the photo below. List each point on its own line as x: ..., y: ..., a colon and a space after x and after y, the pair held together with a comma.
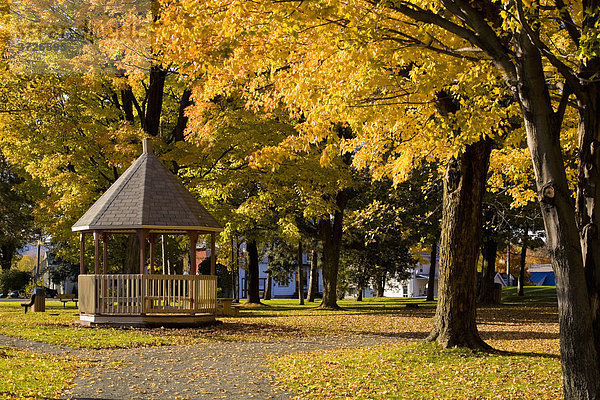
x: 14, y: 295
x: 50, y: 293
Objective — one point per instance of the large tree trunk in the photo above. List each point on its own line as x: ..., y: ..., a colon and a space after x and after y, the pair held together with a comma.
x: 488, y: 272
x: 464, y: 186
x: 300, y: 275
x: 431, y: 277
x: 313, y: 285
x: 579, y: 357
x: 330, y: 231
x: 588, y: 199
x: 253, y: 288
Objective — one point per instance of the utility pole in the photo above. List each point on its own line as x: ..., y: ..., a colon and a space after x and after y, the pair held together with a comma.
x: 508, y: 263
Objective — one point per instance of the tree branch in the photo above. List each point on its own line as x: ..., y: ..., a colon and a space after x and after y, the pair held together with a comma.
x: 568, y: 22
x: 570, y: 77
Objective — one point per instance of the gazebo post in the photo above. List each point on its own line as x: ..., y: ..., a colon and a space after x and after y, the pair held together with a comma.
x: 213, y: 256
x: 96, y: 252
x: 142, y: 234
x: 104, y: 253
x: 151, y: 240
x: 193, y: 240
x: 82, y: 253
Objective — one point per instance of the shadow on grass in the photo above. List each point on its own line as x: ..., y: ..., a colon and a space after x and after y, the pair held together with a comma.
x: 526, y: 354
x: 518, y: 335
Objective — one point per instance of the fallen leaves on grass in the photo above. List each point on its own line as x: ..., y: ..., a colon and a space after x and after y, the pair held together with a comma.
x: 419, y: 371
x: 27, y: 375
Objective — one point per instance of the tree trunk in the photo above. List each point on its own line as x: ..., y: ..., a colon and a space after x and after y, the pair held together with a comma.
x: 588, y: 199
x: 521, y: 284
x: 182, y: 119
x: 579, y: 354
x: 253, y: 289
x: 314, y: 281
x: 330, y: 232
x: 488, y: 272
x: 236, y: 272
x: 8, y: 252
x: 464, y: 186
x: 359, y: 293
x: 380, y: 285
x: 431, y: 277
x: 300, y: 275
x: 132, y: 255
x: 268, y: 285
x: 155, y: 93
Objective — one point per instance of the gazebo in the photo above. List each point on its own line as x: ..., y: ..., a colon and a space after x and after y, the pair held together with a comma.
x: 146, y: 201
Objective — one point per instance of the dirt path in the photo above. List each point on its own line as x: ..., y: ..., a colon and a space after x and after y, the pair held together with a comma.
x: 227, y: 370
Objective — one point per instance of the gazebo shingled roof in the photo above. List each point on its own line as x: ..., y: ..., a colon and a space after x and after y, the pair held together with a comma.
x: 146, y: 200
x: 147, y: 196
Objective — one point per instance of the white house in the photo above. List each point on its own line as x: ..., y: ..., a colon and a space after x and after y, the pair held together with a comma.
x: 416, y: 285
x: 279, y: 290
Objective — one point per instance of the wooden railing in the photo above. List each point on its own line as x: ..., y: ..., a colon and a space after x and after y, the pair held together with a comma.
x: 133, y: 294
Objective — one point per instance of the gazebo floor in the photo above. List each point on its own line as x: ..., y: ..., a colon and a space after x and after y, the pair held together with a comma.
x: 152, y: 320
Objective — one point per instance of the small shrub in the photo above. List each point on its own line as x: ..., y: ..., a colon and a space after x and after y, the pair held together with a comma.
x: 13, y: 280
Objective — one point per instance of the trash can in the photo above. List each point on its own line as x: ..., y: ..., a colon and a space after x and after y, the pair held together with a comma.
x: 39, y: 300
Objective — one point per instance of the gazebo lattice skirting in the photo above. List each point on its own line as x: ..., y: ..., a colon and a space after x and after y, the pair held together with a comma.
x: 147, y: 201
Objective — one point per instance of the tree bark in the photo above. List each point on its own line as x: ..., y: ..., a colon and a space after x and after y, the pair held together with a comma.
x: 588, y: 198
x: 132, y: 255
x: 380, y: 285
x: 155, y: 93
x: 521, y: 283
x: 464, y: 186
x: 330, y: 231
x: 300, y: 275
x: 253, y: 288
x: 431, y: 277
x: 236, y: 272
x: 488, y: 272
x: 313, y: 282
x: 179, y: 129
x: 359, y: 293
x: 579, y: 354
x: 268, y: 285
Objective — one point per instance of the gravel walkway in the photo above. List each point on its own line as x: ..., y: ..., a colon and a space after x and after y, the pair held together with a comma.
x: 219, y: 370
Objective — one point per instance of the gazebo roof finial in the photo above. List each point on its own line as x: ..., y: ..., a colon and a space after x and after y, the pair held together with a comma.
x: 147, y: 146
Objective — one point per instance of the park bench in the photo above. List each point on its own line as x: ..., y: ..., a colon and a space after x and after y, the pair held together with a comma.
x: 65, y: 298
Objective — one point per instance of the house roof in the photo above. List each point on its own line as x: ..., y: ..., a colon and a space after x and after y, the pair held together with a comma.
x: 147, y: 196
x: 540, y: 268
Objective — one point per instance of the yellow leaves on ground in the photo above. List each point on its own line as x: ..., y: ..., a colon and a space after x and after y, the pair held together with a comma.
x: 27, y: 375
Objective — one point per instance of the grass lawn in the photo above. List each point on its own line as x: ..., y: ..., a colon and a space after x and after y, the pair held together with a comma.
x: 524, y: 329
x: 28, y: 375
x: 419, y: 371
